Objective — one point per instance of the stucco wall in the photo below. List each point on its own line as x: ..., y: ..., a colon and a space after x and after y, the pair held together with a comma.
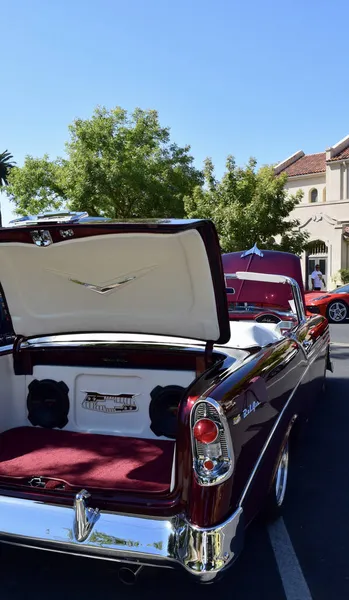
x: 337, y: 177
x: 334, y: 211
x: 324, y: 219
x: 321, y: 224
x: 306, y: 184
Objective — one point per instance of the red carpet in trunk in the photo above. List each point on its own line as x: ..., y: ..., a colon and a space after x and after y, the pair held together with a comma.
x: 87, y: 460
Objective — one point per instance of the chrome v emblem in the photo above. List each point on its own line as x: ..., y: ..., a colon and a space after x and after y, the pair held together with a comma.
x: 103, y: 289
x: 107, y: 286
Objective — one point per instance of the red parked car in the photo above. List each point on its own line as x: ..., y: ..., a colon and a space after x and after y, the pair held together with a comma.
x: 333, y: 305
x: 141, y: 420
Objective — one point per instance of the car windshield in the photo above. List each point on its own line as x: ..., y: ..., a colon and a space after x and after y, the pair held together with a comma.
x: 341, y: 290
x: 252, y: 295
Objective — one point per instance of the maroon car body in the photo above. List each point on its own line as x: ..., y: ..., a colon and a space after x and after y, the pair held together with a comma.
x: 143, y: 421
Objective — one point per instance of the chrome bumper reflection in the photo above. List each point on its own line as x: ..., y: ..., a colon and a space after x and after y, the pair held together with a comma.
x: 125, y: 538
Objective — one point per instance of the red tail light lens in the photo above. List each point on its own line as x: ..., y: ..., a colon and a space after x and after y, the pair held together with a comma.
x: 213, y: 454
x: 205, y: 431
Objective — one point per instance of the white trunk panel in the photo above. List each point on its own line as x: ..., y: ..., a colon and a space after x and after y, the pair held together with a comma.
x: 104, y: 415
x: 13, y: 408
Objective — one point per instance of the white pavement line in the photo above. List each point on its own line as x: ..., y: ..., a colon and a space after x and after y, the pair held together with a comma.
x: 292, y: 578
x: 344, y: 344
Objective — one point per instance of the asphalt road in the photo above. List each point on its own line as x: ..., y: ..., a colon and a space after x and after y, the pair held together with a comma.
x: 311, y: 562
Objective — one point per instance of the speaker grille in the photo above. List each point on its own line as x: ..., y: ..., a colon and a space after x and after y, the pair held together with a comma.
x: 163, y: 410
x: 48, y: 403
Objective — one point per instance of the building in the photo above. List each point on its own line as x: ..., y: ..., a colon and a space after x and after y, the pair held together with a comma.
x: 324, y: 210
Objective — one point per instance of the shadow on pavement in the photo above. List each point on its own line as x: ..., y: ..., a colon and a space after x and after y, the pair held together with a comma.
x: 316, y: 510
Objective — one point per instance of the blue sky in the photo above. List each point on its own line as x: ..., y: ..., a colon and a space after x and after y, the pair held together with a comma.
x: 257, y: 78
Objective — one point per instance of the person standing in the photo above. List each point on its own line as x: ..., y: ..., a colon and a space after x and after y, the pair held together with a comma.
x: 317, y: 279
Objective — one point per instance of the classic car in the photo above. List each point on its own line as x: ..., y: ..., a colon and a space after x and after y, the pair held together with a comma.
x: 334, y: 305
x: 143, y: 421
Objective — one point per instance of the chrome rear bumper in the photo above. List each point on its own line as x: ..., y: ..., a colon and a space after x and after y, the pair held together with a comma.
x: 125, y: 538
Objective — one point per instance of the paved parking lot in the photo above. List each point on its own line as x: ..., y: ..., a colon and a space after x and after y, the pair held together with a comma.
x: 311, y: 542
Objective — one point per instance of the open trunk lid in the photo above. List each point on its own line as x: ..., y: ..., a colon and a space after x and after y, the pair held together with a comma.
x: 159, y: 277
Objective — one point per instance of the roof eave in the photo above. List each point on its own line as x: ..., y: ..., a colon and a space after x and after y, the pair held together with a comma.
x: 300, y: 176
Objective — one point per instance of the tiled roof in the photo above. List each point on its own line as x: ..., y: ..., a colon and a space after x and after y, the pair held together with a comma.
x: 343, y: 154
x: 310, y: 163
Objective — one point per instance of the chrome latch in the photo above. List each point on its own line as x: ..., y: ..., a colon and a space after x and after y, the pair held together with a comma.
x: 36, y: 482
x: 41, y: 237
x: 85, y: 517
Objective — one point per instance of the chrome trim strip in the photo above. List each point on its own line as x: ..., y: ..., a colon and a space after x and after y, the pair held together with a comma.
x: 70, y: 341
x: 6, y: 349
x: 203, y: 552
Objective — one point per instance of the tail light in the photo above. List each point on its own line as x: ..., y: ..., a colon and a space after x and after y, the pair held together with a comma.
x: 213, y: 458
x: 205, y: 431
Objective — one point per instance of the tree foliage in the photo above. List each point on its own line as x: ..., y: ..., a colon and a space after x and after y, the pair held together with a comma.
x: 6, y: 165
x: 35, y: 187
x: 248, y: 206
x: 344, y: 274
x: 122, y: 166
x: 116, y: 165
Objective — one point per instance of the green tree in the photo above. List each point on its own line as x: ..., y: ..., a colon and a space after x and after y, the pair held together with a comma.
x: 117, y: 165
x: 248, y: 206
x: 344, y: 274
x: 37, y: 186
x: 6, y: 165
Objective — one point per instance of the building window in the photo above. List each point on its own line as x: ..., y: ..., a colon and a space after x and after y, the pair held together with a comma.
x: 316, y: 247
x: 314, y: 195
x: 324, y: 195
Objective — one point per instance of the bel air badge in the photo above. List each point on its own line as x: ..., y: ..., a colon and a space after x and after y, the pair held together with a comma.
x: 246, y: 411
x: 109, y: 403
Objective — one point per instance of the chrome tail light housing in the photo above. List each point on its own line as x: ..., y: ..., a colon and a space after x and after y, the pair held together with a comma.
x: 213, y: 456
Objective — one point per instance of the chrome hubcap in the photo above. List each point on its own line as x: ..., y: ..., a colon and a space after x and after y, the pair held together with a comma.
x: 281, y: 477
x: 337, y: 311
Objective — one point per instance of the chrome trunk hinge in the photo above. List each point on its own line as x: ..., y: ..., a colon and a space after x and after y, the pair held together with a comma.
x: 22, y: 364
x: 208, y: 355
x: 85, y: 517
